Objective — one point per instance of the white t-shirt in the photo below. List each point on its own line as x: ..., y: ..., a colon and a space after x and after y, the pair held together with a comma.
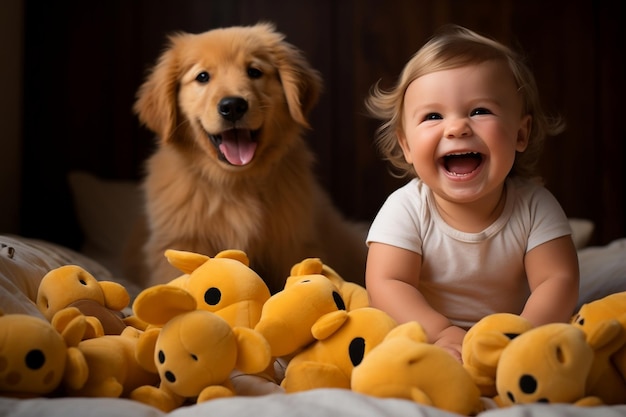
x: 466, y: 276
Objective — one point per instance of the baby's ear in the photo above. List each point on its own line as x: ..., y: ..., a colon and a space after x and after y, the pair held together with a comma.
x: 523, y: 133
x: 404, y: 145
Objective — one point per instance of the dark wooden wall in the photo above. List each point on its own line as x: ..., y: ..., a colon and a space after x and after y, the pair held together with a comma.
x: 84, y: 61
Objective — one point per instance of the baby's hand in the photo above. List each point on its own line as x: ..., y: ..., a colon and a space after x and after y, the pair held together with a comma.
x: 451, y: 340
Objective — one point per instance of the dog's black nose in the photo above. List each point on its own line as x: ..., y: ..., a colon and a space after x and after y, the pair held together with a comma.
x: 232, y: 108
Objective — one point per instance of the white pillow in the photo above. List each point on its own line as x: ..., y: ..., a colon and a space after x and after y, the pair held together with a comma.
x: 602, y: 270
x: 24, y: 262
x: 582, y: 230
x: 107, y: 212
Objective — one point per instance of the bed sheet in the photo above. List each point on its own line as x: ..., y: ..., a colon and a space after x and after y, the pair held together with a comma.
x: 320, y: 402
x: 23, y: 262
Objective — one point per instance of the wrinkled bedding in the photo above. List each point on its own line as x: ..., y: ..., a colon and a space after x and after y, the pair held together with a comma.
x: 321, y: 402
x: 23, y: 262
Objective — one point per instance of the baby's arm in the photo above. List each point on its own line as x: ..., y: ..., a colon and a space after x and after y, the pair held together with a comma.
x: 553, y: 275
x: 392, y: 277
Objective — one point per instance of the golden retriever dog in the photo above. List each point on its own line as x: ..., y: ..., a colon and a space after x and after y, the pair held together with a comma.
x: 232, y: 169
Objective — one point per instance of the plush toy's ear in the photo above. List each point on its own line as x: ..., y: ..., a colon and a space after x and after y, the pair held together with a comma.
x: 328, y: 324
x: 253, y: 351
x: 354, y: 295
x: 144, y: 351
x: 71, y: 324
x: 311, y: 374
x: 608, y: 332
x: 237, y: 255
x: 76, y: 369
x: 100, y: 319
x: 420, y: 397
x: 184, y: 261
x: 412, y: 330
x: 489, y: 346
x: 115, y: 295
x: 308, y: 266
x: 156, y: 305
x: 332, y: 275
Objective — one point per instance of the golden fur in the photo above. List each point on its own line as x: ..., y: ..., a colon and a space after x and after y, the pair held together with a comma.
x: 264, y: 200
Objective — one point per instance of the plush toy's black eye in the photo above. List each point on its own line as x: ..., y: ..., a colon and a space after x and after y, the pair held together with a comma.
x: 35, y: 359
x: 254, y: 73
x: 203, y: 77
x: 339, y: 301
x: 194, y: 357
x: 528, y: 384
x: 356, y: 350
x: 212, y: 296
x: 161, y: 357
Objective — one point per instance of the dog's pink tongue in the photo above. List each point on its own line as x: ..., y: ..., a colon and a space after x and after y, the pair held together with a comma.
x: 238, y: 146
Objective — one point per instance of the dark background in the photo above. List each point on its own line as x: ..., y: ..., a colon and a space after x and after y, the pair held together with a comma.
x: 84, y: 60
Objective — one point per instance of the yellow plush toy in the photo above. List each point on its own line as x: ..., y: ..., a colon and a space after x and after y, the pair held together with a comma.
x: 483, y: 343
x: 548, y: 364
x: 110, y: 364
x: 224, y: 284
x: 403, y: 365
x: 604, y: 324
x: 36, y: 358
x: 44, y: 358
x: 288, y: 315
x: 73, y: 286
x: 354, y: 295
x: 194, y: 351
x: 342, y: 340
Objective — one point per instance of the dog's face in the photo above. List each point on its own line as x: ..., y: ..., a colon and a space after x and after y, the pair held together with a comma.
x: 236, y: 93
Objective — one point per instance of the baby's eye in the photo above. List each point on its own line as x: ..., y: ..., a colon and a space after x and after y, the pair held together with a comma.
x: 433, y: 116
x: 479, y: 111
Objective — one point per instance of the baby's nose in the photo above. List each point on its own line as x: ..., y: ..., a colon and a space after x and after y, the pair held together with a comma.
x: 457, y: 128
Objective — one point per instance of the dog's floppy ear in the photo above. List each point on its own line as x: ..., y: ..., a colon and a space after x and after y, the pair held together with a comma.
x: 302, y: 83
x: 156, y: 103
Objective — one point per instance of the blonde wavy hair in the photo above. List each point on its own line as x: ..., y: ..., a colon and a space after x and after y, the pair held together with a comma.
x: 453, y: 47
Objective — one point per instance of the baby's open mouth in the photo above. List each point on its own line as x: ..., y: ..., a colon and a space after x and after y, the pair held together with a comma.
x: 461, y: 164
x: 235, y: 146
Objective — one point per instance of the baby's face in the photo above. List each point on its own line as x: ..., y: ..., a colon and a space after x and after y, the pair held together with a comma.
x: 461, y: 129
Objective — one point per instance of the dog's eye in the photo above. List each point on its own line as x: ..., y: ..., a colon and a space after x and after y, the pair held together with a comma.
x: 203, y: 77
x: 254, y: 73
